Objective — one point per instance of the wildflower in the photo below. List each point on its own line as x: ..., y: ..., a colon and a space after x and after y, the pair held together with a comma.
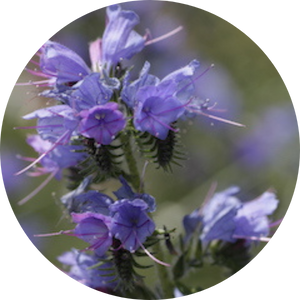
x: 81, y: 268
x: 91, y: 92
x: 218, y: 216
x: 79, y: 201
x: 93, y: 228
x: 125, y: 192
x: 130, y: 223
x: 102, y: 123
x: 251, y: 219
x: 55, y: 123
x: 53, y: 159
x: 157, y: 103
x: 63, y: 156
x: 225, y: 217
x: 119, y: 40
x: 59, y: 65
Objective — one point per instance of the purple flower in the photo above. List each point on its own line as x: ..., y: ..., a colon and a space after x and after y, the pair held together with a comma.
x: 218, y: 216
x: 91, y: 92
x: 125, y: 192
x: 102, y: 123
x: 225, y: 217
x: 119, y: 40
x: 55, y: 123
x: 251, y: 219
x: 93, y: 228
x: 59, y: 65
x: 81, y: 201
x: 157, y: 109
x: 130, y: 223
x: 81, y: 269
x: 156, y: 103
x: 54, y: 161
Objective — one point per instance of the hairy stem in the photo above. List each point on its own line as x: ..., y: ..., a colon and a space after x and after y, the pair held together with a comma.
x: 166, y: 285
x: 134, y: 176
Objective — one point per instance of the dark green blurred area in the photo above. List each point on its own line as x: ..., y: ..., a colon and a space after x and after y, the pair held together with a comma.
x: 253, y: 88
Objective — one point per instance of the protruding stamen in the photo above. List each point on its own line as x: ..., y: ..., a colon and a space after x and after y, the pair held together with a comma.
x: 215, y: 117
x: 165, y: 36
x: 44, y: 154
x: 152, y: 257
x: 54, y: 233
x: 252, y: 238
x: 38, y: 189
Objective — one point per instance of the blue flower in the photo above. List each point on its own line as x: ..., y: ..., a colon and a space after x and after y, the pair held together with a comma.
x: 119, y: 40
x: 91, y: 92
x: 125, y: 192
x: 157, y: 104
x: 225, y: 217
x: 59, y: 158
x: 218, y: 216
x: 81, y: 269
x: 94, y: 229
x: 157, y: 109
x: 55, y: 123
x: 130, y: 223
x: 251, y: 219
x: 61, y: 65
x: 79, y: 201
x: 102, y: 123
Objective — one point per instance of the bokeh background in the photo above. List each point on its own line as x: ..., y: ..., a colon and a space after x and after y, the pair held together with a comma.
x: 262, y: 155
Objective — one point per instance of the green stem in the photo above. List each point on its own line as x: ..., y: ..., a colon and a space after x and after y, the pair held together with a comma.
x: 166, y: 284
x: 134, y: 176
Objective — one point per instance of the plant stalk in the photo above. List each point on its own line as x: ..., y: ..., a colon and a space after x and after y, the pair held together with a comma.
x: 166, y: 286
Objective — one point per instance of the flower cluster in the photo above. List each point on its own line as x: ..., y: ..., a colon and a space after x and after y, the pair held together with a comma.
x: 99, y: 219
x: 95, y: 105
x: 98, y: 114
x: 225, y: 217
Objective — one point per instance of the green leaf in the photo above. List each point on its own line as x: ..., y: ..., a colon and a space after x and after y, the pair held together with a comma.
x: 231, y: 255
x: 179, y: 267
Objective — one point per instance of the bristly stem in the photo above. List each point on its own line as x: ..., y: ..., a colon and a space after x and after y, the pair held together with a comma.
x: 165, y: 283
x: 134, y: 176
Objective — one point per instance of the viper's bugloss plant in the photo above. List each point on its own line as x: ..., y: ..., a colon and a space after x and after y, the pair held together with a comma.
x: 101, y: 115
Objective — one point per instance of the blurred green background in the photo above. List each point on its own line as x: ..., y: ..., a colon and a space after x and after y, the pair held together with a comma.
x: 262, y: 155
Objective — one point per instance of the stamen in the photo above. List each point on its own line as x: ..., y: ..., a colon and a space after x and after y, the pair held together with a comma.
x: 276, y: 223
x: 39, y: 188
x: 54, y: 233
x: 153, y: 257
x: 165, y: 36
x: 252, y: 238
x: 44, y: 154
x: 162, y: 123
x: 216, y: 118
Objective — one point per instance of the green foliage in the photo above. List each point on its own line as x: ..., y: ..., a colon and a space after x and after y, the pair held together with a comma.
x: 103, y: 162
x: 231, y: 255
x: 165, y: 152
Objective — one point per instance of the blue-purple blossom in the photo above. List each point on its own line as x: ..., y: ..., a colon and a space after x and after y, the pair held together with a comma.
x: 93, y: 228
x: 55, y: 123
x: 59, y: 158
x: 81, y: 200
x: 130, y: 223
x: 61, y: 65
x: 251, y: 219
x: 218, y: 216
x: 125, y: 192
x: 157, y: 109
x: 81, y: 268
x: 102, y: 123
x: 225, y: 217
x: 91, y: 92
x: 119, y: 40
x: 157, y: 104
